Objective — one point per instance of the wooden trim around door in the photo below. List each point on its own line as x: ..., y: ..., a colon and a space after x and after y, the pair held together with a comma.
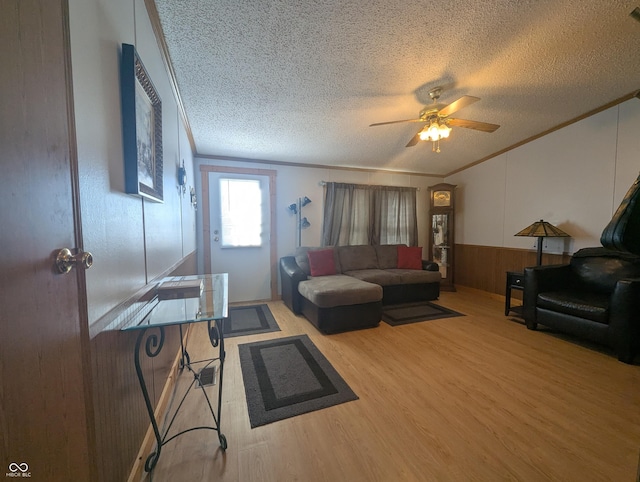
x: 206, y: 216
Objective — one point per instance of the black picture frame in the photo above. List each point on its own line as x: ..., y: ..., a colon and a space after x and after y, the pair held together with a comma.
x: 141, y: 128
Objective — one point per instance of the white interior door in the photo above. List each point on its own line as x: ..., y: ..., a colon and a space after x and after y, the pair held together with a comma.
x: 240, y: 233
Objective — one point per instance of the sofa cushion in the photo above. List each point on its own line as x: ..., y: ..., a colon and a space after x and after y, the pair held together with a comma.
x: 414, y: 276
x: 357, y: 257
x: 321, y: 262
x: 302, y: 258
x: 583, y: 304
x: 339, y: 290
x: 387, y: 255
x: 380, y: 277
x: 409, y: 257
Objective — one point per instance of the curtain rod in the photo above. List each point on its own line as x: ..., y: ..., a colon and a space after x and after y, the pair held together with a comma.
x: 323, y: 183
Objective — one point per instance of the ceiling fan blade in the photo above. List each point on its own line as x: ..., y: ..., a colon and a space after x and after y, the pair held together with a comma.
x: 469, y: 124
x: 415, y: 139
x: 395, y: 122
x: 455, y: 106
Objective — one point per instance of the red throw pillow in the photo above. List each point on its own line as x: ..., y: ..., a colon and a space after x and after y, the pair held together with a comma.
x: 410, y: 257
x: 321, y: 262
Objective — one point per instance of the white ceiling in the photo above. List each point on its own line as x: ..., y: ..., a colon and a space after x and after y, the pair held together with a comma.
x: 300, y: 81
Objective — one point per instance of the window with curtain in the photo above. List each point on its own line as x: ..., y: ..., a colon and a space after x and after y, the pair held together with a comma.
x: 361, y: 214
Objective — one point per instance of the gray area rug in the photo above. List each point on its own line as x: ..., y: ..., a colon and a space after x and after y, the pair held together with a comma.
x: 405, y: 313
x: 288, y: 376
x: 249, y: 320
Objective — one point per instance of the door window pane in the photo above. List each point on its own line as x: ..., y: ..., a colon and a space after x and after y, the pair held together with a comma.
x: 240, y: 213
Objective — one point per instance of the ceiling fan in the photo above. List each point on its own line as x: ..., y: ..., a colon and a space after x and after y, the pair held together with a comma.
x: 438, y: 123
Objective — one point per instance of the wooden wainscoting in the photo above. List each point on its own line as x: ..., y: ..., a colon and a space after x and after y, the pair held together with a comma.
x: 485, y: 267
x: 121, y: 419
x: 188, y: 265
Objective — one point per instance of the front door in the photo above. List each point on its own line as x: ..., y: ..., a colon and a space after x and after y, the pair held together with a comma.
x: 240, y: 241
x: 43, y: 421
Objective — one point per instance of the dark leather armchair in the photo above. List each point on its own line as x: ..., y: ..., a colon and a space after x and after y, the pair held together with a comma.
x: 596, y: 296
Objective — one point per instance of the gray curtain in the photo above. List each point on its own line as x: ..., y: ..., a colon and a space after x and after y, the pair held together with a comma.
x: 360, y: 214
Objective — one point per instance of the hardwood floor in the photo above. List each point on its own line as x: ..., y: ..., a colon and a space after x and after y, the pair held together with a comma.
x: 472, y: 398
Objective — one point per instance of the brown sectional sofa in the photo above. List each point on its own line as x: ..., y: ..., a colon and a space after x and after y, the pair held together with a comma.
x: 366, y: 277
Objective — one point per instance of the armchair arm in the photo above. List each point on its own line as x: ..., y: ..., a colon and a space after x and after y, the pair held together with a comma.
x: 538, y: 279
x: 290, y: 276
x: 624, y: 319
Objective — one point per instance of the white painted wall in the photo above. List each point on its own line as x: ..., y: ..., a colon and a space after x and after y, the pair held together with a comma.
x: 293, y: 182
x: 574, y: 178
x: 132, y: 240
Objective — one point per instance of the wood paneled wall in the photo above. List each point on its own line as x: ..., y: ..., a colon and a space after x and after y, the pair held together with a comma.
x: 485, y: 267
x: 121, y: 419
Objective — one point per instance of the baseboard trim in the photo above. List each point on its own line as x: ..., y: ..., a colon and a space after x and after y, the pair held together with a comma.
x: 138, y: 473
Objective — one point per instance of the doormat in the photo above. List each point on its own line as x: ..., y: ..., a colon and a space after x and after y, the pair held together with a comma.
x: 288, y: 376
x: 405, y: 313
x: 249, y: 320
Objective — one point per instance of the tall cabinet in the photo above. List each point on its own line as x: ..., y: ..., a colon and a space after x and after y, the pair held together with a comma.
x: 441, y: 232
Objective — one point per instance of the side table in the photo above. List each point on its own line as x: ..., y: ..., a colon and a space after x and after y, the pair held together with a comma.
x: 181, y: 306
x: 515, y: 281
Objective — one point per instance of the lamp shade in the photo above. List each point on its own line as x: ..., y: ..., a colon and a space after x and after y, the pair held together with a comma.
x: 542, y: 229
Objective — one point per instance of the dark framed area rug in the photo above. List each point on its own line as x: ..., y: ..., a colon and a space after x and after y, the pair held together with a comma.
x: 249, y: 320
x: 405, y: 313
x: 288, y: 376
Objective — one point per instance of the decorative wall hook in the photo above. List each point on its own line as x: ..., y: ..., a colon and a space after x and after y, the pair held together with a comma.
x: 182, y: 178
x: 194, y: 199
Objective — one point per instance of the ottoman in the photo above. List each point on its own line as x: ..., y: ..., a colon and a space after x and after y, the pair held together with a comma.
x: 339, y: 302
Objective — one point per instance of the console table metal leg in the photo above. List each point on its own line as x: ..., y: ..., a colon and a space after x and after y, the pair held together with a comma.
x: 153, y: 346
x: 185, y: 359
x: 216, y: 337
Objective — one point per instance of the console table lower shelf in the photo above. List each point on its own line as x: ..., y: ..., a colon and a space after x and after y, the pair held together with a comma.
x: 209, y: 306
x: 152, y: 347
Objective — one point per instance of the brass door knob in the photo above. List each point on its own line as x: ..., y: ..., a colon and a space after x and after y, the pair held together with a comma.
x: 65, y: 260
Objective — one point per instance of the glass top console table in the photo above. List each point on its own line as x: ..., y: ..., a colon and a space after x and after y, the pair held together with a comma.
x: 182, y: 300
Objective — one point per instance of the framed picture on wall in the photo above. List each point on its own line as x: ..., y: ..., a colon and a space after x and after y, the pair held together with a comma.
x: 141, y: 128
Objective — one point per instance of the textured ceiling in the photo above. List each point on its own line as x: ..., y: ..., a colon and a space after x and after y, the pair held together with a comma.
x: 297, y: 81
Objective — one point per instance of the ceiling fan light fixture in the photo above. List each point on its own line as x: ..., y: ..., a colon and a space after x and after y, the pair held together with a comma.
x: 435, y: 131
x: 436, y: 119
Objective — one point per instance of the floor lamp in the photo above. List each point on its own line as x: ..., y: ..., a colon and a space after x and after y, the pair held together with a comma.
x: 542, y: 229
x: 296, y: 208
